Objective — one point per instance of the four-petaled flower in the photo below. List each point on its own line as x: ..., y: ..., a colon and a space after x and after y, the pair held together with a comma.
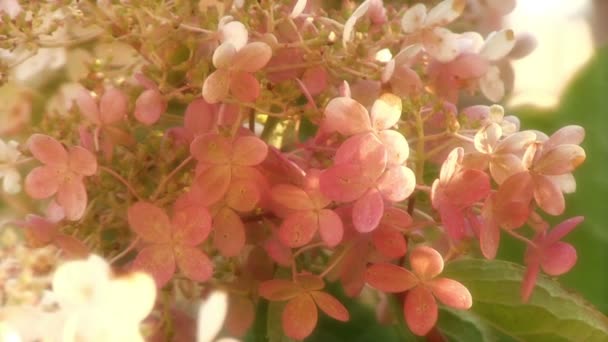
x: 171, y: 242
x: 420, y: 307
x: 63, y: 173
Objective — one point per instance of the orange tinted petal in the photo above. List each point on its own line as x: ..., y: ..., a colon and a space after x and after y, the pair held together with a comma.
x: 426, y: 262
x: 229, y: 236
x: 331, y: 306
x: 42, y: 182
x: 211, y: 148
x: 300, y: 317
x: 298, y: 228
x: 249, y: 151
x: 47, y: 150
x: 420, y: 310
x: 244, y: 86
x: 390, y: 278
x: 150, y: 222
x: 82, y: 161
x: 451, y: 293
x: 158, y: 261
x: 193, y: 263
x: 279, y: 289
x: 191, y: 225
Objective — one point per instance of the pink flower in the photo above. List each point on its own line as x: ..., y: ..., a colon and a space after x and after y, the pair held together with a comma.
x: 171, y: 242
x: 233, y: 74
x: 420, y: 306
x: 63, y: 174
x: 549, y: 254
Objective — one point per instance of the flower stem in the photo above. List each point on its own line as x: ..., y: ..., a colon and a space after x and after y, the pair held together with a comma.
x: 169, y: 176
x: 122, y: 180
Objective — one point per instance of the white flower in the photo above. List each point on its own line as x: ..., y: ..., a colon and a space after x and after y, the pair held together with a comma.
x: 211, y: 316
x: 9, y: 155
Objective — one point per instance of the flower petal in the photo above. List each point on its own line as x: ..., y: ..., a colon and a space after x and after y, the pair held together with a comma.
x: 413, y: 18
x: 113, y: 106
x: 397, y: 183
x: 234, y: 33
x: 75, y: 283
x: 211, y: 148
x: 343, y: 182
x: 300, y: 317
x: 249, y: 151
x: 47, y: 150
x: 194, y: 263
x: 386, y: 111
x: 426, y: 262
x: 223, y: 55
x: 298, y: 229
x: 242, y: 195
x: 149, y: 106
x: 445, y: 12
x: 211, y: 315
x: 88, y: 106
x: 157, y: 260
x: 291, y: 197
x: 491, y: 84
x: 229, y: 233
x: 72, y: 197
x: 389, y: 242
x: 390, y: 278
x: 43, y: 182
x: 82, y: 161
x: 558, y: 258
x: 420, y: 310
x: 252, y: 57
x: 367, y: 211
x: 331, y: 306
x: 396, y: 145
x: 548, y: 196
x: 150, y: 222
x: 216, y: 86
x: 330, y: 227
x: 138, y: 289
x: 190, y: 225
x: 571, y: 135
x: 346, y: 116
x: 441, y: 44
x: 498, y: 45
x: 560, y: 159
x: 451, y: 293
x: 212, y: 184
x: 278, y: 289
x: 244, y: 86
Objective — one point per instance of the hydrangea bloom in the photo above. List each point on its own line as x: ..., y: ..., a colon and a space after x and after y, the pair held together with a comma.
x: 11, y: 178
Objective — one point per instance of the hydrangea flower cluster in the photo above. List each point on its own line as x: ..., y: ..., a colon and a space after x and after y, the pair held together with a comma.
x: 267, y: 148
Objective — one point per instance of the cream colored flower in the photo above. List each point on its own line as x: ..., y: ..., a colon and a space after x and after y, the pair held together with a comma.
x: 9, y: 155
x: 211, y: 316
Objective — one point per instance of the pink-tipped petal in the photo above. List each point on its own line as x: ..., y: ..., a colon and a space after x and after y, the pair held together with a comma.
x: 420, y: 310
x: 330, y: 227
x: 451, y: 293
x: 244, y: 86
x: 113, y: 106
x: 558, y: 258
x: 504, y: 166
x: 346, y: 116
x: 298, y: 229
x: 194, y: 263
x: 229, y: 236
x: 548, y: 196
x: 367, y: 211
x: 426, y: 262
x: 249, y: 151
x: 252, y: 57
x: 216, y: 86
x: 43, y: 182
x: 72, y: 197
x: 150, y: 222
x: 487, y: 138
x: 331, y: 306
x: 149, y: 106
x: 468, y: 187
x: 571, y: 135
x: 386, y: 111
x: 82, y: 161
x: 397, y: 183
x: 158, y: 261
x: 47, y: 150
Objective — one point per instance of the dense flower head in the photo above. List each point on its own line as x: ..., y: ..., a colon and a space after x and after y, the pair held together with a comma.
x: 252, y: 153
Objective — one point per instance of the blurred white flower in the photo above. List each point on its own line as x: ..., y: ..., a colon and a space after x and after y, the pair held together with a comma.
x: 9, y: 155
x: 211, y: 316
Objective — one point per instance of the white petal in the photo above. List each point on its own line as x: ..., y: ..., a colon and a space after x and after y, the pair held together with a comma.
x: 350, y: 23
x: 491, y: 84
x: 235, y: 33
x: 408, y: 54
x: 498, y: 45
x: 138, y: 289
x: 76, y: 283
x: 413, y: 18
x: 441, y: 44
x: 565, y: 182
x: 298, y: 8
x: 445, y: 12
x: 223, y: 55
x: 211, y: 315
x: 12, y: 181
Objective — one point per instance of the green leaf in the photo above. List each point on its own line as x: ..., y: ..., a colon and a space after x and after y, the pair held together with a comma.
x: 553, y: 314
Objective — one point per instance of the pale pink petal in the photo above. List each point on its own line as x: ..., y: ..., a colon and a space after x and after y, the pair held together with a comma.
x: 426, y: 262
x: 343, y: 182
x: 149, y: 106
x: 366, y: 150
x: 346, y: 116
x: 199, y: 117
x: 249, y: 151
x: 405, y: 81
x: 441, y: 44
x: 560, y: 159
x: 450, y: 165
x: 498, y: 45
x: 190, y: 225
x: 212, y: 184
x: 525, y: 44
x: 291, y: 197
x: 298, y: 8
x: 487, y: 138
x: 367, y: 211
x: 43, y: 182
x: 413, y: 18
x: 82, y: 161
x: 468, y: 66
x: 158, y: 261
x: 396, y: 218
x: 452, y: 219
x: 211, y: 148
x: 390, y: 278
x: 516, y: 143
x: 445, y: 12
x: 298, y: 229
x: 216, y: 86
x: 229, y: 237
x: 252, y: 57
x: 504, y: 166
x: 420, y: 310
x: 572, y: 134
x: 315, y: 80
x: 223, y: 56
x: 72, y: 197
x: 244, y: 86
x: 566, y: 182
x: 396, y: 145
x: 451, y: 293
x: 113, y: 106
x: 558, y: 258
x: 235, y: 33
x: 243, y: 195
x: 88, y: 106
x: 467, y: 187
x: 330, y: 227
x: 194, y: 263
x: 47, y: 150
x: 491, y: 84
x: 349, y: 26
x: 150, y: 222
x: 548, y: 196
x: 397, y: 183
x: 386, y: 111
